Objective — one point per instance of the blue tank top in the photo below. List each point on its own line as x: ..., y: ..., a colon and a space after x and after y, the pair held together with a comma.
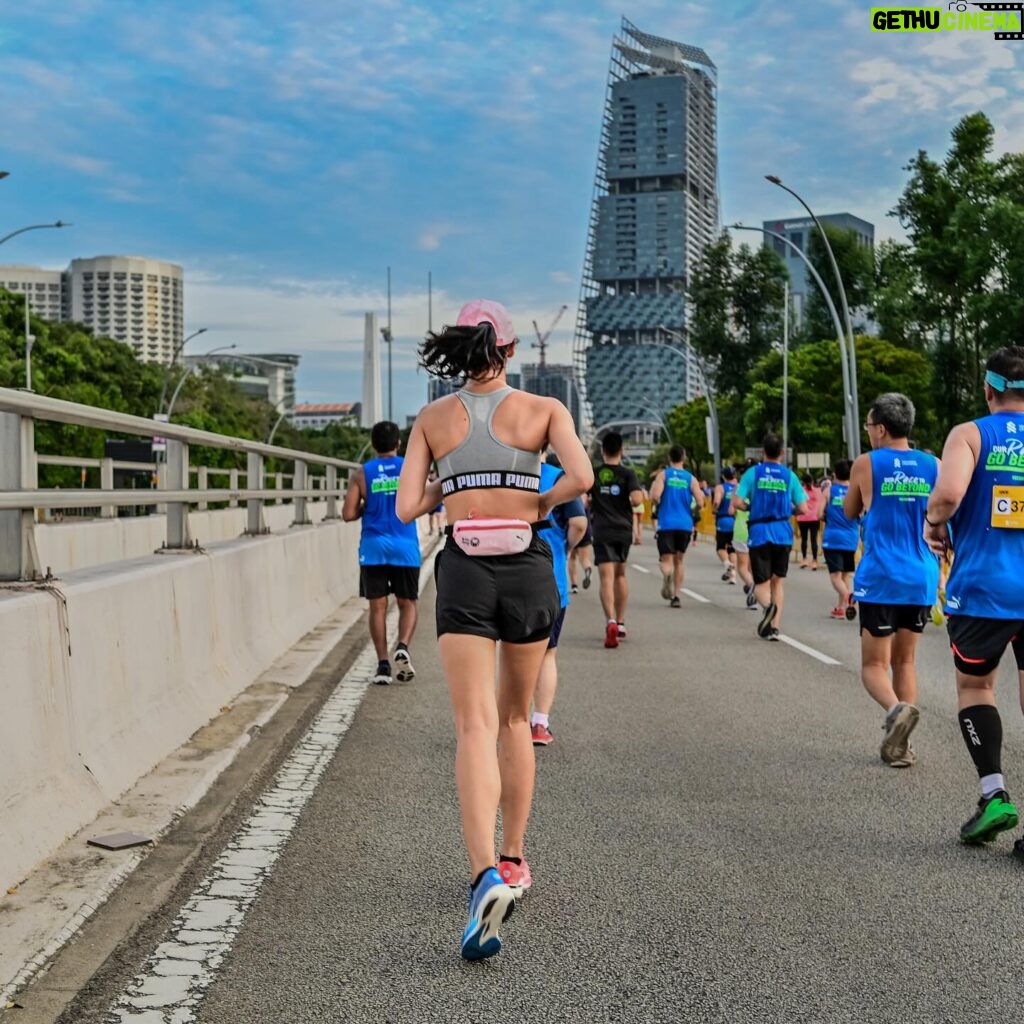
x: 897, y: 567
x: 985, y: 580
x: 385, y: 539
x: 555, y: 536
x: 674, y: 512
x: 725, y: 520
x: 841, y: 534
x: 771, y: 504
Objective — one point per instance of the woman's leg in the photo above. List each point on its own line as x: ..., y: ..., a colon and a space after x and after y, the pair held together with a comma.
x: 814, y: 540
x: 519, y: 667
x: 469, y: 666
x: 803, y: 541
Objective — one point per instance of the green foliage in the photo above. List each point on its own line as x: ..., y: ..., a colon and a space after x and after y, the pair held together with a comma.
x: 856, y: 264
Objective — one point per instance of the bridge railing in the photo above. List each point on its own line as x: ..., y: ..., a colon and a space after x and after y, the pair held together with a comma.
x: 21, y: 496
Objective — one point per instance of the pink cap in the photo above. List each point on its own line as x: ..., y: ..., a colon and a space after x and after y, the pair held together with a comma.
x: 487, y: 311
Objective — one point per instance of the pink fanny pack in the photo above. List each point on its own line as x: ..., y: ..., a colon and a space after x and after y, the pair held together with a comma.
x: 479, y: 537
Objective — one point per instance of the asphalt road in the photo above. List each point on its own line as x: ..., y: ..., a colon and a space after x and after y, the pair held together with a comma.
x: 715, y: 839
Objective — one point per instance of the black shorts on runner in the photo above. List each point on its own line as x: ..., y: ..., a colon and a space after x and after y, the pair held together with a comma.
x: 611, y: 551
x: 556, y: 629
x: 588, y: 537
x: 513, y: 598
x: 882, y: 620
x: 768, y: 560
x: 978, y: 644
x: 838, y: 560
x: 673, y: 542
x: 723, y: 540
x: 380, y: 580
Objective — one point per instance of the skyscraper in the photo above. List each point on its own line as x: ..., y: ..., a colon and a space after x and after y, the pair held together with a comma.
x: 654, y: 209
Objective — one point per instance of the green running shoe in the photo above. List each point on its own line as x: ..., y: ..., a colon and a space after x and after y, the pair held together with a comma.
x: 995, y: 814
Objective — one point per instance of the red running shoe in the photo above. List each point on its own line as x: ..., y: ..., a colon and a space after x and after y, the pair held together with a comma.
x: 838, y: 613
x: 611, y: 635
x: 516, y: 876
x: 541, y: 735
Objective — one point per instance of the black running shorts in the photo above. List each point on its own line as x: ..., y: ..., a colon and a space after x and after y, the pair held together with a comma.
x: 673, y: 542
x: 588, y: 537
x: 978, y: 644
x: 723, y: 540
x: 839, y: 560
x: 611, y: 551
x: 380, y: 580
x: 882, y: 620
x: 768, y: 560
x: 513, y: 598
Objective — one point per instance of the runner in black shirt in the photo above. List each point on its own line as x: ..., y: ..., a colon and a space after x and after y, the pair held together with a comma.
x: 615, y: 492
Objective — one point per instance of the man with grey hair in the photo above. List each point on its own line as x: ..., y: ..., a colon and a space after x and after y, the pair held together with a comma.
x: 898, y: 576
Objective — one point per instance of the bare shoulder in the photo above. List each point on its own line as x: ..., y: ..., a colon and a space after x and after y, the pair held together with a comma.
x: 440, y: 410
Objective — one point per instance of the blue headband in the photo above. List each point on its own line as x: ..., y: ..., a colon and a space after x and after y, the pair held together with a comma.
x: 998, y: 382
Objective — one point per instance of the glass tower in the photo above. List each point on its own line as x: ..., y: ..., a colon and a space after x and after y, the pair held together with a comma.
x: 654, y: 208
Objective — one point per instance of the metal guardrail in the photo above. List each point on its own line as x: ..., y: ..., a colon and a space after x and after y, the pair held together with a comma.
x: 20, y: 493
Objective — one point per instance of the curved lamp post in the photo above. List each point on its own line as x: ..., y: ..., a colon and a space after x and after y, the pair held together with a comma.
x: 185, y: 377
x: 170, y: 365
x: 34, y: 227
x: 852, y: 428
x: 855, y: 446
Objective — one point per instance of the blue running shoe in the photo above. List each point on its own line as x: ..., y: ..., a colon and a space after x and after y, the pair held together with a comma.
x: 490, y: 905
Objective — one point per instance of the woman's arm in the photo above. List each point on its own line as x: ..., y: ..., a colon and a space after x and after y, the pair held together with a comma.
x: 578, y: 474
x: 415, y: 496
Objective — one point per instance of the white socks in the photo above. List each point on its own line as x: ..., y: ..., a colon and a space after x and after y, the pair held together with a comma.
x: 992, y: 784
x: 539, y: 719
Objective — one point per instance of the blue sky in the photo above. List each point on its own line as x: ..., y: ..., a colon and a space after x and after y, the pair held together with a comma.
x: 287, y: 154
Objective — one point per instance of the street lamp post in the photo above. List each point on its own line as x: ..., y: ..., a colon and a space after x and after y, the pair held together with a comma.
x: 174, y: 359
x: 34, y: 227
x: 716, y: 437
x: 852, y: 428
x: 188, y: 373
x: 852, y: 351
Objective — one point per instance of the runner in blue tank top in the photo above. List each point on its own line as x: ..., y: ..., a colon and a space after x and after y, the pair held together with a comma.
x: 674, y: 489
x: 898, y: 576
x: 771, y: 492
x: 980, y: 495
x: 389, y: 550
x: 842, y: 537
x: 725, y: 524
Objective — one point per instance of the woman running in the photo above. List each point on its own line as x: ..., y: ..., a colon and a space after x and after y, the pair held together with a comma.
x: 495, y: 583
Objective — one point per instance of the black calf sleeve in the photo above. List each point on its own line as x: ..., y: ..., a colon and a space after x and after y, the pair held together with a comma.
x: 982, y: 729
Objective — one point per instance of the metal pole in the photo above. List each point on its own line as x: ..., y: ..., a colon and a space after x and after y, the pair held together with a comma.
x: 785, y: 371
x: 174, y: 359
x: 391, y: 415
x: 852, y: 353
x: 851, y: 428
x: 29, y: 342
x: 34, y: 227
x: 430, y: 301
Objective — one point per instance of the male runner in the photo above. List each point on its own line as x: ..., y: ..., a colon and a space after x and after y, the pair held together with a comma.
x: 582, y: 555
x: 725, y: 523
x: 770, y: 491
x: 615, y: 492
x: 569, y: 524
x: 842, y: 536
x: 389, y: 550
x: 897, y: 577
x: 980, y: 493
x: 674, y: 489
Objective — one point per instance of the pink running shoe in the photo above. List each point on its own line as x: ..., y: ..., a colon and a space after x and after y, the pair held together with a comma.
x: 541, y: 735
x: 838, y: 613
x: 516, y: 876
x: 611, y: 635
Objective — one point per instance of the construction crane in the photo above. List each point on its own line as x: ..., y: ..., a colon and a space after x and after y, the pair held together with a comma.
x: 542, y: 339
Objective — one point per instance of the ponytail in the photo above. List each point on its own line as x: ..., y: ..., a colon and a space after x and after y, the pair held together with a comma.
x: 463, y: 352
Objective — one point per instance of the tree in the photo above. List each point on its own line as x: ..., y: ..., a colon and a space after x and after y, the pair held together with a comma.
x: 856, y: 267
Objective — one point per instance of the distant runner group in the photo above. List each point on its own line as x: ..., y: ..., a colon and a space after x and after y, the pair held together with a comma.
x: 517, y: 550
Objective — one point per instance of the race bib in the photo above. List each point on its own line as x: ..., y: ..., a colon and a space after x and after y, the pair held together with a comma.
x: 1008, y: 508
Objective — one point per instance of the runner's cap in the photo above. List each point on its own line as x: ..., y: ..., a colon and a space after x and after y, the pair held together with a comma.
x: 487, y: 311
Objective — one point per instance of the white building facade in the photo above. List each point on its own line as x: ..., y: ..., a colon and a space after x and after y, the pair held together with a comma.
x: 44, y: 288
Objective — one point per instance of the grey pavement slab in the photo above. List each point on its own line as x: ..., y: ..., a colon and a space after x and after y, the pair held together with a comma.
x: 714, y: 839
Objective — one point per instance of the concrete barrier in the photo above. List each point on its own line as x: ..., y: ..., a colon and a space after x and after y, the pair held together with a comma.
x: 119, y: 665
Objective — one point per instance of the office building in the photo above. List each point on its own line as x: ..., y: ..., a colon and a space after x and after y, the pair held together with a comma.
x: 270, y: 377
x: 555, y: 380
x: 655, y: 209
x: 798, y: 230
x: 128, y: 298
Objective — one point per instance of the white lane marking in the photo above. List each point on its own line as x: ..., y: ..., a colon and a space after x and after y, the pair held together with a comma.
x: 640, y: 568
x: 823, y: 658
x: 176, y: 977
x: 697, y: 597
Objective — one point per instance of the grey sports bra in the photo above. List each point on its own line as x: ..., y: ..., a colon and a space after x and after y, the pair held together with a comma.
x: 482, y: 461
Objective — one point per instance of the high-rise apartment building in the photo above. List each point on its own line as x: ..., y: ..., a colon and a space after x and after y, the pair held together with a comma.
x: 554, y: 380
x: 128, y: 298
x: 131, y: 299
x: 798, y: 230
x: 655, y: 208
